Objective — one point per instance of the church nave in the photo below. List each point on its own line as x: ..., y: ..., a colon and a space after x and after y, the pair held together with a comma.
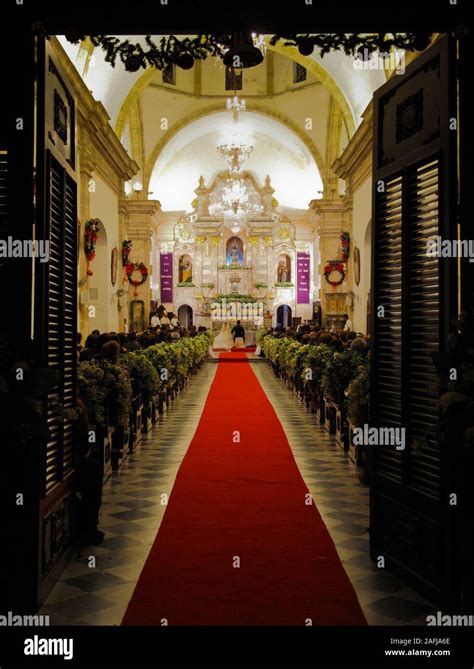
x: 132, y: 513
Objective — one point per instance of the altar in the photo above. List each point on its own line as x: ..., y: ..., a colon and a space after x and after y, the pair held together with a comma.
x: 249, y: 327
x: 235, y: 256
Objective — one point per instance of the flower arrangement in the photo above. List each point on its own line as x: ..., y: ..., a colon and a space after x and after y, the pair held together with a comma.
x: 106, y: 392
x: 344, y: 249
x: 144, y: 377
x: 260, y: 336
x: 92, y: 391
x: 232, y: 297
x: 126, y: 249
x: 261, y: 285
x: 338, y: 372
x: 91, y: 234
x: 185, y: 284
x: 358, y: 395
x: 174, y: 361
x: 315, y: 361
x: 106, y: 389
x: 207, y: 284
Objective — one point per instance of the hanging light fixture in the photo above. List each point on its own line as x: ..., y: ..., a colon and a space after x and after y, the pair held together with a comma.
x: 234, y: 204
x: 236, y: 141
x: 243, y: 53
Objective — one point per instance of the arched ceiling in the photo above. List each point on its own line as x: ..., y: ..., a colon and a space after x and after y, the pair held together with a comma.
x: 192, y: 152
x: 111, y: 85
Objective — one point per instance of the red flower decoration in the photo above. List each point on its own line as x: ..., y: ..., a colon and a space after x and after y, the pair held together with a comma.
x: 131, y: 267
x: 335, y: 267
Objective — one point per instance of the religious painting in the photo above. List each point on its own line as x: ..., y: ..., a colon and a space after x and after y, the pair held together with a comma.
x: 185, y: 272
x: 137, y: 315
x: 233, y: 79
x: 235, y: 252
x: 284, y: 269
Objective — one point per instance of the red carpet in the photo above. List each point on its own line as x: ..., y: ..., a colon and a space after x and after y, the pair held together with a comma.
x: 241, y: 503
x: 248, y: 349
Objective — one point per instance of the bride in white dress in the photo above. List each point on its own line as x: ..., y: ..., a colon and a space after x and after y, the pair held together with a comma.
x: 224, y: 339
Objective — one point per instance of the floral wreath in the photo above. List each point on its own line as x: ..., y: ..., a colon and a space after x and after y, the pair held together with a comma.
x: 132, y: 267
x: 336, y: 267
x: 91, y: 234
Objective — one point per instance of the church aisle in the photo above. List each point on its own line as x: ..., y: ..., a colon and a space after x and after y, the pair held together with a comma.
x: 131, y: 511
x: 241, y: 541
x: 130, y: 515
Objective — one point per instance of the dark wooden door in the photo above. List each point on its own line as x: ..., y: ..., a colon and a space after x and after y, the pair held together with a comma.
x: 55, y: 312
x: 414, y: 298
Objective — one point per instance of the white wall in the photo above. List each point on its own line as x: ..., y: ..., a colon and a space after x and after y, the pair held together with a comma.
x: 361, y: 215
x: 104, y: 205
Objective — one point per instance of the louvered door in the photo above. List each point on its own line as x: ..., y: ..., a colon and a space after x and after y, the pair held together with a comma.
x: 56, y: 307
x: 413, y: 301
x: 61, y: 321
x: 3, y: 199
x: 388, y: 294
x: 422, y: 329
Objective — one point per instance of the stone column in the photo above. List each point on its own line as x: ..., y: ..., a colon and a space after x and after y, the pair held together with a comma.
x: 143, y: 220
x: 330, y: 219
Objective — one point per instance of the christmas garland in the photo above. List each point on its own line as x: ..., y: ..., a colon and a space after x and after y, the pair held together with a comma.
x: 91, y: 234
x: 345, y: 245
x: 361, y: 45
x: 335, y: 267
x: 183, y: 52
x: 126, y: 248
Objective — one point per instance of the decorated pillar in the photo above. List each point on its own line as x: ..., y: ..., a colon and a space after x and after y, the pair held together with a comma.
x: 330, y: 220
x: 143, y: 219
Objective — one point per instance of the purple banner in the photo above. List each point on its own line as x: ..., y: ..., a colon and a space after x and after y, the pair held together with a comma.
x: 166, y: 277
x: 302, y: 280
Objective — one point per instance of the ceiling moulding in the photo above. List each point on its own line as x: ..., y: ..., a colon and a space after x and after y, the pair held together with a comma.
x: 354, y: 165
x: 94, y: 120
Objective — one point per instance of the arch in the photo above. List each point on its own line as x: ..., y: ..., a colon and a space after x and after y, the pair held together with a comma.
x: 217, y: 108
x: 284, y: 315
x: 283, y: 268
x: 185, y: 315
x: 185, y: 268
x: 288, y: 51
x: 325, y: 78
x: 234, y: 251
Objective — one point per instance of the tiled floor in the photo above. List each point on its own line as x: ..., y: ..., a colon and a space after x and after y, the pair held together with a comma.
x: 98, y: 584
x: 343, y: 503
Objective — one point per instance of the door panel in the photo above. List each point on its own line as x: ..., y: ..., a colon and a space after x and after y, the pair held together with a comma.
x: 55, y: 323
x: 414, y: 198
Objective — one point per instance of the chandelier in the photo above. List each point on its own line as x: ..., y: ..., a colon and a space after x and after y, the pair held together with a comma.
x: 235, y: 205
x: 236, y: 142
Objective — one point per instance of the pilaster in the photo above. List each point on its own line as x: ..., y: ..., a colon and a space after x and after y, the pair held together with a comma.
x: 143, y: 218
